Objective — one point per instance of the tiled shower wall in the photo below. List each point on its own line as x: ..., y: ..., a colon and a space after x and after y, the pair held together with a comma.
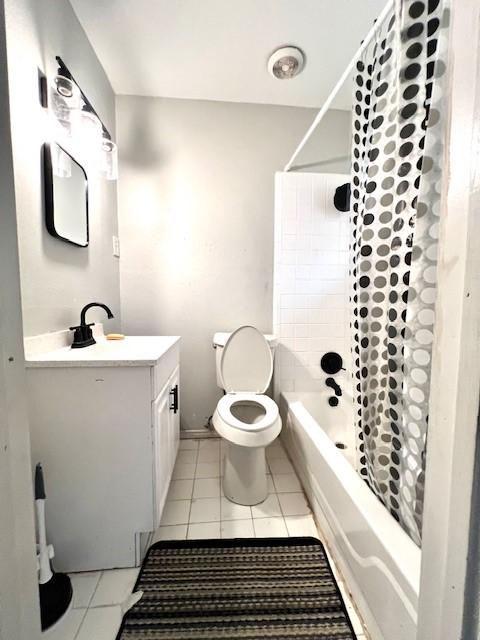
x: 311, y: 287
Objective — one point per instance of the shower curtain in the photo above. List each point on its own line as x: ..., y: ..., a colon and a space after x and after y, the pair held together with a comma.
x: 397, y: 152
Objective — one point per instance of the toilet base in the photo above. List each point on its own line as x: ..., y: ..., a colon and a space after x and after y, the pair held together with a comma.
x: 245, y: 474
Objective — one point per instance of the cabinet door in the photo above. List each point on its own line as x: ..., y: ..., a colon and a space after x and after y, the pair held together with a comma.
x: 174, y: 427
x: 166, y: 436
x: 161, y: 451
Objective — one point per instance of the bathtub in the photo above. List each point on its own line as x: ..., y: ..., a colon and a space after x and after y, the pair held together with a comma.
x: 380, y: 563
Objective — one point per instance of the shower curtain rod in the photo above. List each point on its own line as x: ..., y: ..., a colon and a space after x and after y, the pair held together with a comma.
x: 326, y: 106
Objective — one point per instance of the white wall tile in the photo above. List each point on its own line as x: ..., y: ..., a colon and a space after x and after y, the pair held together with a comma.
x: 287, y: 316
x: 302, y: 272
x: 311, y: 289
x: 301, y: 316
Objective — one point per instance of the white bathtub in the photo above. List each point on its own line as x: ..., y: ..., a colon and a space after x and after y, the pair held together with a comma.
x: 379, y: 561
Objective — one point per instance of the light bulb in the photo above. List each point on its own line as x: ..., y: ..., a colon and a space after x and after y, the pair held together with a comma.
x: 64, y: 102
x: 109, y: 162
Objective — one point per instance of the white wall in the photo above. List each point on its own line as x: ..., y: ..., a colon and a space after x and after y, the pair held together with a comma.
x: 311, y: 290
x: 57, y: 278
x: 19, y: 610
x: 196, y: 220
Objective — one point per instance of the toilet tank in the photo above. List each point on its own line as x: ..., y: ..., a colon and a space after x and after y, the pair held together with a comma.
x: 219, y: 340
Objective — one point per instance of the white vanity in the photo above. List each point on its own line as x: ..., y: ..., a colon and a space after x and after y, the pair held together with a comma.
x: 104, y: 423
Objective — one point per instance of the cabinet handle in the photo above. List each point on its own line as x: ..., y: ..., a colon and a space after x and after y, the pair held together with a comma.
x: 174, y: 395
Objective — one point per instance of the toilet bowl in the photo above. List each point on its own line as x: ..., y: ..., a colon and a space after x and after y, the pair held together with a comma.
x: 247, y: 419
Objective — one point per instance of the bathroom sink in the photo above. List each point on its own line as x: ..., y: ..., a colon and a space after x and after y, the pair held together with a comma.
x: 132, y: 351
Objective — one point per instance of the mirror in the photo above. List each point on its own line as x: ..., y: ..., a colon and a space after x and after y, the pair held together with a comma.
x: 66, y: 196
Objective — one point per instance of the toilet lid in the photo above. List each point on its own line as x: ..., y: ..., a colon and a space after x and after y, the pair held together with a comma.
x: 246, y: 363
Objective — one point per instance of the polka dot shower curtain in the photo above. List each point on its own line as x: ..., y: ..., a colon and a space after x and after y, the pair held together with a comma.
x: 397, y: 153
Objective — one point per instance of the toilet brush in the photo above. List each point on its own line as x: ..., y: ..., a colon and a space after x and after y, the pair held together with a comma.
x: 55, y: 588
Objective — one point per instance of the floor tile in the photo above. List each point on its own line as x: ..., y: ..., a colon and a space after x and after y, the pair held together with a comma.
x: 237, y: 529
x: 276, y: 444
x: 175, y: 512
x: 114, y: 587
x: 275, y: 451
x: 212, y: 444
x: 270, y: 528
x: 293, y: 504
x: 84, y: 585
x: 280, y: 465
x: 269, y: 508
x: 187, y: 444
x: 172, y: 532
x: 183, y: 471
x: 100, y: 624
x: 270, y: 485
x: 301, y: 526
x: 232, y: 511
x: 206, y: 488
x: 208, y: 470
x: 187, y: 456
x: 205, y: 510
x: 180, y: 489
x: 286, y: 483
x: 106, y: 591
x: 68, y: 626
x: 202, y: 530
x: 209, y: 455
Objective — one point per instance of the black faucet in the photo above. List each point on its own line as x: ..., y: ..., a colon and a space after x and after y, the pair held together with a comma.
x: 83, y: 336
x: 330, y: 382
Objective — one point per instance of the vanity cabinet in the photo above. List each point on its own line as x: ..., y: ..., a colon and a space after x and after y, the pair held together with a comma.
x: 105, y: 426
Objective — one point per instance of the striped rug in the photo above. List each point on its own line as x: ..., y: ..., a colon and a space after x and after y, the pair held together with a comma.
x: 277, y: 588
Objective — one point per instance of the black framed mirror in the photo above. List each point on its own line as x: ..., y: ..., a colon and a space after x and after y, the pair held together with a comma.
x: 66, y: 196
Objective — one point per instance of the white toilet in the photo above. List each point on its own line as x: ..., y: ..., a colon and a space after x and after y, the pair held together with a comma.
x: 246, y: 418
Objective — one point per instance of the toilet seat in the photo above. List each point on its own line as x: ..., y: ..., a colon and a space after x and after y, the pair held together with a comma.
x: 236, y: 432
x: 246, y: 368
x: 224, y: 409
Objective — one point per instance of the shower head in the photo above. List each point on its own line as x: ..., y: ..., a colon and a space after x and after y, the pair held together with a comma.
x: 341, y: 199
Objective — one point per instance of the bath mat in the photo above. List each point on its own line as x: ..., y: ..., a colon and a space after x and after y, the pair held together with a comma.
x: 245, y: 588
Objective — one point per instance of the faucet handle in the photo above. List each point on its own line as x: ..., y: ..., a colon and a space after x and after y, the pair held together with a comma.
x: 80, y: 326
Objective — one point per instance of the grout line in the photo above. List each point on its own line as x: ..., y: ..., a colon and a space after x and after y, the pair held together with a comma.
x: 193, y: 485
x: 95, y: 590
x: 81, y: 622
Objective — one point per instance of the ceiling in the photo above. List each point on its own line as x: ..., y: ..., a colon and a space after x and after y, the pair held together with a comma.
x: 218, y: 49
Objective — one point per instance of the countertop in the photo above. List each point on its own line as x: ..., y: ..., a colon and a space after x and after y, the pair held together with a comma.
x: 133, y: 351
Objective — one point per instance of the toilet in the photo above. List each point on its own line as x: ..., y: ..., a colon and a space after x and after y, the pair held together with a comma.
x: 245, y: 418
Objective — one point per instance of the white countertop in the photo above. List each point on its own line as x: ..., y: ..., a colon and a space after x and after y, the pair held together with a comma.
x: 133, y: 351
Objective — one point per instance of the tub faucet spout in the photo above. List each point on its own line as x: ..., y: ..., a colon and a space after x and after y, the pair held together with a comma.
x: 330, y: 382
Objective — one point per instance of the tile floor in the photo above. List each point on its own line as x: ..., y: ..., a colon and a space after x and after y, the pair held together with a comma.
x: 195, y: 509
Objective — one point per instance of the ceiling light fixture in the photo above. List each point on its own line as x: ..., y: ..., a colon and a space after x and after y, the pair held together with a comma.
x: 286, y: 62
